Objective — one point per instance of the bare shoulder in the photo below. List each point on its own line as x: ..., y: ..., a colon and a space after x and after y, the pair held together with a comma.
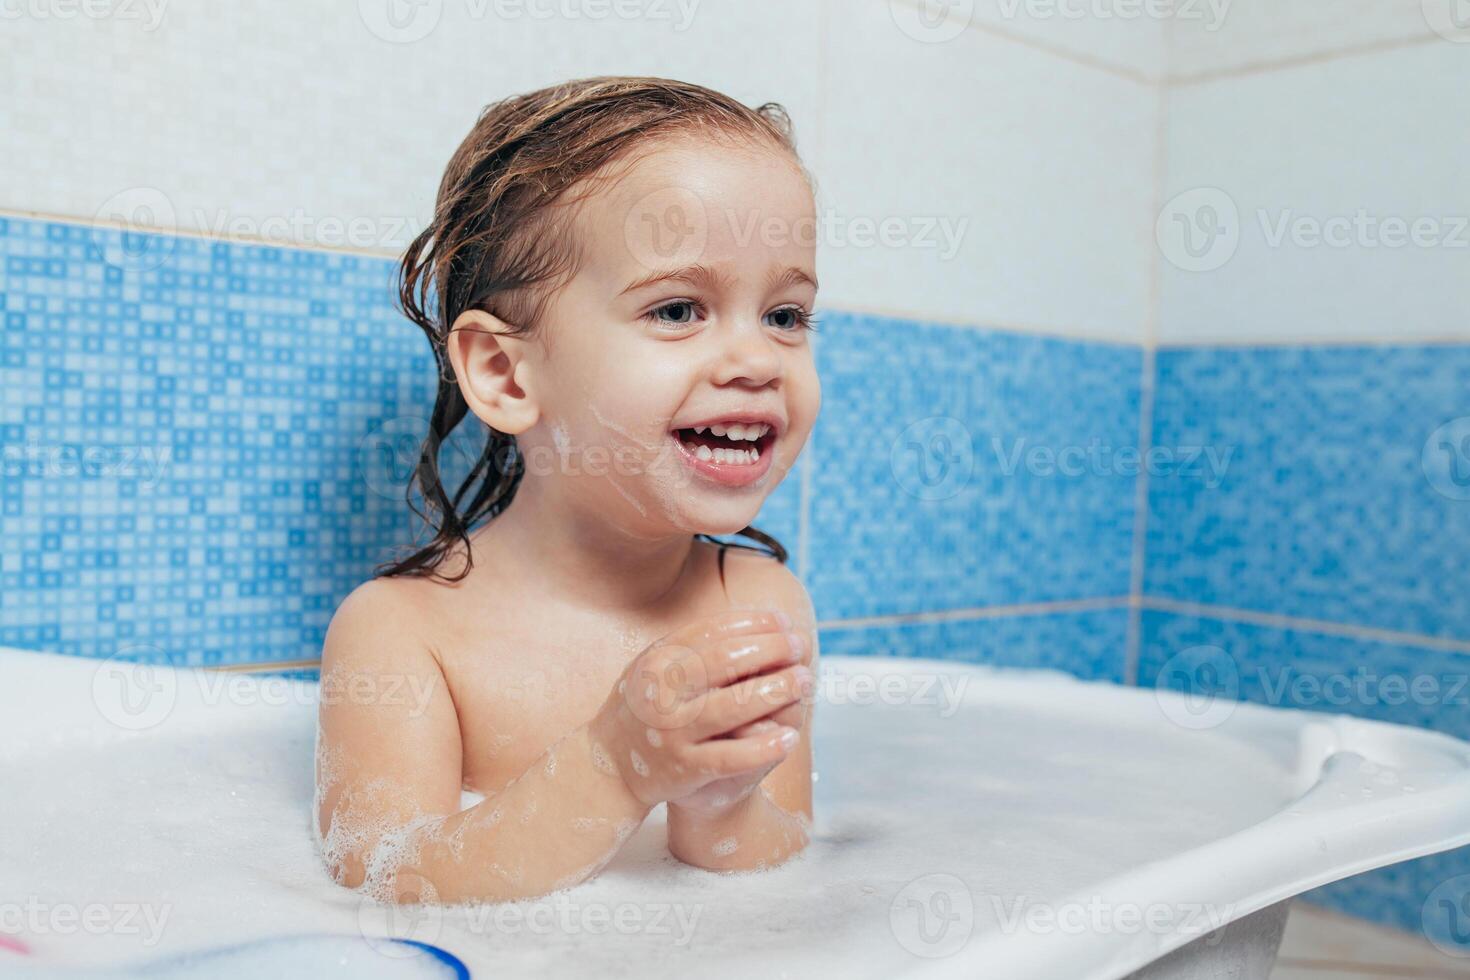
x: 383, y: 620
x: 755, y: 578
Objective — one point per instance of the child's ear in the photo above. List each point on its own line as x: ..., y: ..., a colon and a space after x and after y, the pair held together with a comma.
x: 490, y: 365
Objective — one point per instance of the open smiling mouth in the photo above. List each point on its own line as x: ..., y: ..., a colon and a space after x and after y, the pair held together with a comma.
x: 731, y: 453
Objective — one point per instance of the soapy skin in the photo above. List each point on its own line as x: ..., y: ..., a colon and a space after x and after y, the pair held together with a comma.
x: 597, y: 660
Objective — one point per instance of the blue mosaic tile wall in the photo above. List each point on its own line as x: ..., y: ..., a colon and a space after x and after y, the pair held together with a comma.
x: 206, y: 446
x: 1346, y: 496
x: 193, y: 434
x: 955, y: 467
x: 1293, y: 668
x: 1087, y: 644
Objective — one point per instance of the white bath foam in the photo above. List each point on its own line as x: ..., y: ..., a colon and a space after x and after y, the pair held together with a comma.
x: 203, y: 822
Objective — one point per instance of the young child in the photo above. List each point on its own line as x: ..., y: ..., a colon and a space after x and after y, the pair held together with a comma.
x: 617, y: 282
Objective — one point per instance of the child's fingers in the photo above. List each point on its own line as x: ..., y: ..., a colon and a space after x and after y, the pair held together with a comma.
x: 699, y: 633
x: 668, y: 684
x: 730, y: 660
x: 753, y: 728
x: 732, y: 756
x: 745, y: 701
x: 696, y: 657
x: 791, y: 716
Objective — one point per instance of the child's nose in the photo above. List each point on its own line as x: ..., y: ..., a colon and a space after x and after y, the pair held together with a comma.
x: 748, y: 354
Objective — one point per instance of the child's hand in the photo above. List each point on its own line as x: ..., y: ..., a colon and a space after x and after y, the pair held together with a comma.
x: 663, y: 722
x: 718, y: 796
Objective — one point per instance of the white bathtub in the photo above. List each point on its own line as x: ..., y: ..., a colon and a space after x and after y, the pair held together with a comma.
x: 970, y: 822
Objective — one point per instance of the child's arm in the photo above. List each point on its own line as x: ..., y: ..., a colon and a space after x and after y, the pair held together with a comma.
x: 745, y: 823
x: 754, y: 832
x: 389, y: 776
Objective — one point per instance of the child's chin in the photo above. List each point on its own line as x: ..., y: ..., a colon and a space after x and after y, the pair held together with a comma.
x: 719, y: 520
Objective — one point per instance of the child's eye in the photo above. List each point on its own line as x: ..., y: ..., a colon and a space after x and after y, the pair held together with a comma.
x: 678, y: 313
x: 791, y: 318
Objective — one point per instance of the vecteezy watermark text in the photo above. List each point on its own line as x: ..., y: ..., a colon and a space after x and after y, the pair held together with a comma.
x: 149, y: 13
x: 33, y: 917
x: 40, y: 460
x: 1204, y: 463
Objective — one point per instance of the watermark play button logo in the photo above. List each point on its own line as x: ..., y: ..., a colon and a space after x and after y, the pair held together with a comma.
x: 1450, y: 19
x: 132, y: 691
x: 400, y: 21
x: 1199, y: 230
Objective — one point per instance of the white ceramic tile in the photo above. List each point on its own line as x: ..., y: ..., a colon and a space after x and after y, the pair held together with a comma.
x: 1348, y: 146
x: 1040, y: 167
x: 299, y: 121
x: 1127, y: 35
x: 1258, y: 32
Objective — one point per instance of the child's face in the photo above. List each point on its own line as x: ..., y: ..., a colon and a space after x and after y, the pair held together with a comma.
x: 728, y: 235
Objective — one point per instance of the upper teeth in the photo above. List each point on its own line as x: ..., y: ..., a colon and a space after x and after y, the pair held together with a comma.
x: 747, y: 431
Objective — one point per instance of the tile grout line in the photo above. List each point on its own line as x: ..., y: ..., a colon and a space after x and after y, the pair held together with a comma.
x: 1266, y: 66
x: 1147, y: 387
x: 264, y: 666
x: 1201, y: 610
x: 976, y: 613
x: 206, y: 236
x: 1138, y: 564
x: 1064, y: 607
x: 977, y: 26
x: 1165, y: 76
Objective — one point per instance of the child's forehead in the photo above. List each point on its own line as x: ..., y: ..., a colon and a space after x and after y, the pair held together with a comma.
x: 687, y: 199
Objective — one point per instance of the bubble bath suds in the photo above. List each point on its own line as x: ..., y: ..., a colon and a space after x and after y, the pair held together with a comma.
x: 1011, y: 794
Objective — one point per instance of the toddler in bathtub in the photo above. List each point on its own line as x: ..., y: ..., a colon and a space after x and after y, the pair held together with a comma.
x: 617, y: 285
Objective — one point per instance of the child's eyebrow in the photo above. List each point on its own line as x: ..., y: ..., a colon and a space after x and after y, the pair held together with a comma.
x: 705, y: 277
x: 792, y: 276
x: 694, y: 275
